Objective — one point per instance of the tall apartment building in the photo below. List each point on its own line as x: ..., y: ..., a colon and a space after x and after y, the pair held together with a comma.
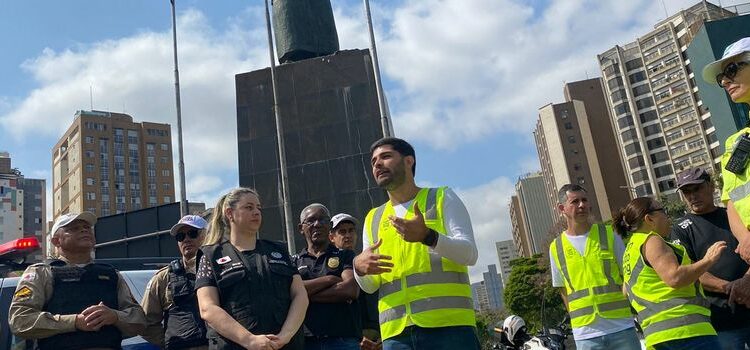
x: 107, y: 164
x: 661, y: 128
x: 22, y: 205
x: 505, y: 253
x: 494, y: 287
x: 479, y: 295
x: 536, y: 213
x: 521, y: 238
x: 575, y: 144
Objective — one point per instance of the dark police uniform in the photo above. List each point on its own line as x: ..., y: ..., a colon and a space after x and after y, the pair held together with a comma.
x: 254, y: 287
x: 50, y: 295
x: 329, y: 320
x: 697, y: 233
x: 170, y: 297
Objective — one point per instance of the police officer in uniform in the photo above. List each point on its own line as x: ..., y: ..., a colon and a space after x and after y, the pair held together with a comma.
x: 331, y: 321
x: 72, y: 302
x: 249, y: 293
x: 170, y: 295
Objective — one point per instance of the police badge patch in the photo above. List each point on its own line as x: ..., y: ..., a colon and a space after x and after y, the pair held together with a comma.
x: 333, y: 262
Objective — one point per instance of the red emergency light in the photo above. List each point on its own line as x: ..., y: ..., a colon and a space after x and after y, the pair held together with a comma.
x: 18, y: 248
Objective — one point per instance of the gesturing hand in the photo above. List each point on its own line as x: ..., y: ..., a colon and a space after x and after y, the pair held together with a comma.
x: 412, y: 230
x: 371, y: 263
x: 714, y: 251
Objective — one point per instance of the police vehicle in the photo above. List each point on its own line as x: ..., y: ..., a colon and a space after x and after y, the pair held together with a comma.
x: 12, y: 263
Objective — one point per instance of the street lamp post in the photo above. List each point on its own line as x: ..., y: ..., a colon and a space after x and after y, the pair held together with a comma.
x: 181, y: 164
x: 385, y: 123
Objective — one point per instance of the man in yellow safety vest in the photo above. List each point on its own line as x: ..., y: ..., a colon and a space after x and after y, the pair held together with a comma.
x: 586, y: 262
x: 416, y: 249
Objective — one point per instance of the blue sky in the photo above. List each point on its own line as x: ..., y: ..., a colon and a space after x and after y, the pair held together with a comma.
x: 464, y: 79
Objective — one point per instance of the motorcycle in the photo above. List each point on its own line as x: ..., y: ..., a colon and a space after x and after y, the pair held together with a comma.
x: 514, y: 336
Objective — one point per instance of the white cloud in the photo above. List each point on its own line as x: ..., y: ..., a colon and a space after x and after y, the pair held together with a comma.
x: 488, y: 207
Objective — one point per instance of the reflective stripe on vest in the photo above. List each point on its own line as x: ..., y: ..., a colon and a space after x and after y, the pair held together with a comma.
x: 611, y: 287
x: 739, y: 193
x: 652, y: 308
x: 606, y: 298
x: 435, y: 276
x: 665, y: 313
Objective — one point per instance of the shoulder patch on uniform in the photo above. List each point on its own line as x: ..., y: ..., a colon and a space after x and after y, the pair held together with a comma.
x: 29, y: 276
x: 22, y: 294
x: 223, y: 260
x: 276, y: 255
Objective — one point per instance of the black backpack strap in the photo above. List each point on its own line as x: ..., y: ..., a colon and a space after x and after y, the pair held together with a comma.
x: 176, y: 267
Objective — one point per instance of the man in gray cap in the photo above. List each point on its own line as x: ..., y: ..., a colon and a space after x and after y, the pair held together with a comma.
x: 72, y: 302
x: 726, y: 284
x: 344, y: 236
x: 170, y: 295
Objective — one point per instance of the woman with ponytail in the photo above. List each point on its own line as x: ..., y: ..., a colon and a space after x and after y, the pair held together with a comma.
x: 662, y: 282
x: 248, y: 290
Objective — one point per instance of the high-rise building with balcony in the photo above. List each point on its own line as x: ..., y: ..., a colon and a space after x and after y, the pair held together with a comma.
x: 521, y: 239
x: 22, y: 205
x: 107, y: 164
x: 536, y: 213
x: 505, y: 253
x: 660, y: 127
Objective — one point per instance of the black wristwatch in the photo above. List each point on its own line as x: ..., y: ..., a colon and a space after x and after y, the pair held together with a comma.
x: 431, y: 238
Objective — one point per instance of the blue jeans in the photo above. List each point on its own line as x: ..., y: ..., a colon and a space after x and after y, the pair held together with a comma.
x: 701, y: 342
x: 625, y: 339
x: 332, y: 343
x: 442, y: 338
x: 735, y: 339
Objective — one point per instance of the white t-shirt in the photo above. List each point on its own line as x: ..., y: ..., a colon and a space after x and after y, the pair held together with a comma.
x: 601, y: 326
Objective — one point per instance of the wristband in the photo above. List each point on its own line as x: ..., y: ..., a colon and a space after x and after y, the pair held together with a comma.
x: 431, y: 239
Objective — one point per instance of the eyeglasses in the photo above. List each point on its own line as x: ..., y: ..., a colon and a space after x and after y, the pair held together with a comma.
x: 321, y: 221
x: 654, y: 210
x: 730, y: 71
x: 193, y: 234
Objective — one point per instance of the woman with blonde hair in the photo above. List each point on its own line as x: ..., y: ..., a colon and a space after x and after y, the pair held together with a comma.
x: 248, y: 290
x: 662, y: 282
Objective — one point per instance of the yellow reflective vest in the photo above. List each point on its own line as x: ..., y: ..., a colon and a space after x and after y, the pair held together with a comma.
x: 736, y: 187
x: 664, y: 313
x: 422, y: 288
x: 593, y: 281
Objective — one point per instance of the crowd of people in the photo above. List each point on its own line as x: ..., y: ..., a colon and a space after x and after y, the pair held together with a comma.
x: 688, y: 283
x: 408, y: 289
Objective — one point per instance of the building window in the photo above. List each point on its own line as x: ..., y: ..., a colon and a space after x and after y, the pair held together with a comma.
x: 164, y: 147
x: 89, y: 167
x: 166, y: 186
x: 89, y: 154
x: 165, y: 173
x: 568, y: 125
x: 89, y: 139
x: 91, y: 196
x: 90, y: 181
x: 164, y: 160
x: 167, y: 199
x: 571, y: 139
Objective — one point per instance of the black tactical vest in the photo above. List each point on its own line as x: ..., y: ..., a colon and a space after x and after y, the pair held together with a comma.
x: 255, y: 292
x: 183, y: 325
x: 74, y: 289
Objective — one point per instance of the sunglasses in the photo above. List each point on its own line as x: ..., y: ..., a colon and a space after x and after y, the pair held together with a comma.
x: 193, y: 234
x: 730, y: 71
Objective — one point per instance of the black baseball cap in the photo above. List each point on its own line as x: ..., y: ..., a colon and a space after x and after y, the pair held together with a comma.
x: 692, y: 176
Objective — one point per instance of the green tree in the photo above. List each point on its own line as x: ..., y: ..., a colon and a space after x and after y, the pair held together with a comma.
x: 674, y: 207
x: 530, y: 286
x: 487, y: 320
